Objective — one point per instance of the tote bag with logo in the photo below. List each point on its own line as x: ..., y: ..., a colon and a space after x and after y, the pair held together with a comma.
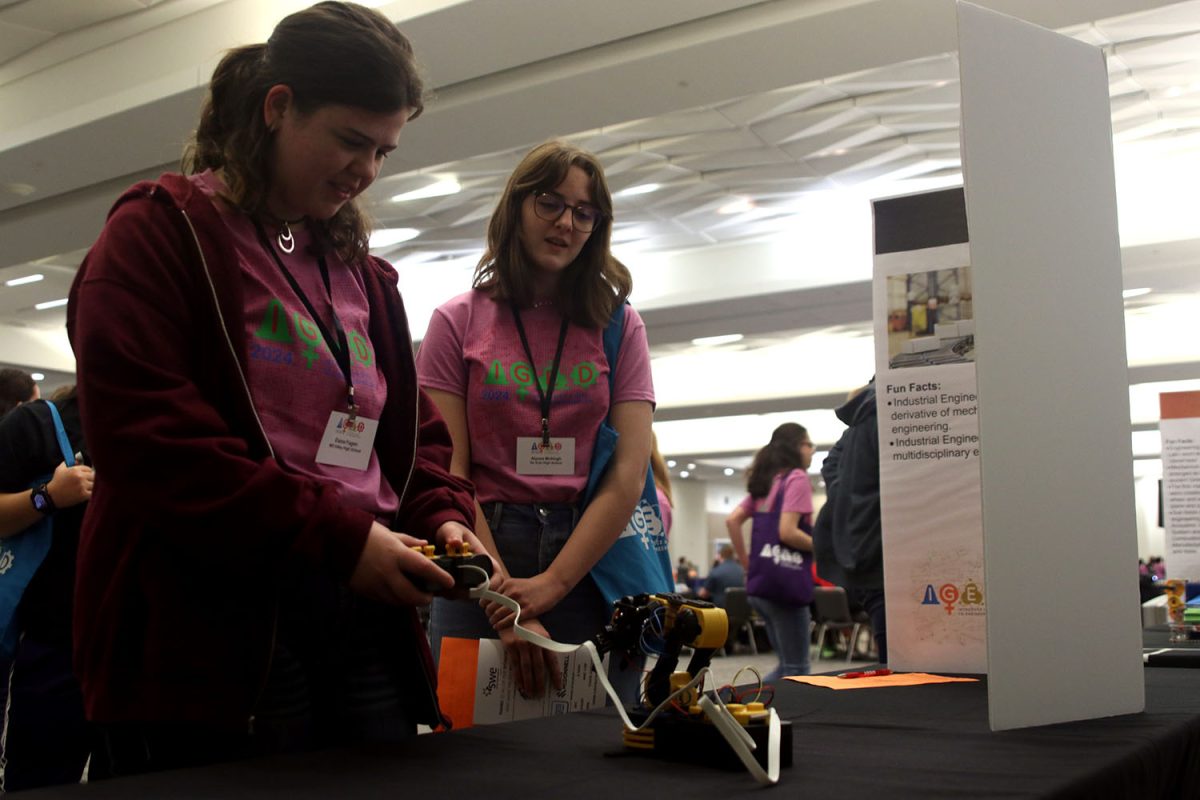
x: 637, y: 562
x: 777, y: 572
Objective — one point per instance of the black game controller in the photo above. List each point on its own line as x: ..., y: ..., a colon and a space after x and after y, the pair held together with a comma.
x: 456, y: 562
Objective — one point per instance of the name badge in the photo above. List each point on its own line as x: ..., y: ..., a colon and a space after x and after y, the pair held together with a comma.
x: 535, y: 458
x: 347, y: 443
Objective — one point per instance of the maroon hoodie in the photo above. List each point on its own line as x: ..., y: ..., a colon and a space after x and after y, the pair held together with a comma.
x: 182, y: 547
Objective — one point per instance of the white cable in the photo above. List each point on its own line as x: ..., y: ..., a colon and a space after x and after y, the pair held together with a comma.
x: 736, y: 735
x: 742, y: 745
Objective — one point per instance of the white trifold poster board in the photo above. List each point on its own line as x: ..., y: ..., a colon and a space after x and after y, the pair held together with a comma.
x: 1005, y: 466
x: 926, y: 399
x: 1179, y: 426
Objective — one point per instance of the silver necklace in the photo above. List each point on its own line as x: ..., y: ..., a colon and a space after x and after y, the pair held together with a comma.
x: 287, y: 242
x: 285, y: 238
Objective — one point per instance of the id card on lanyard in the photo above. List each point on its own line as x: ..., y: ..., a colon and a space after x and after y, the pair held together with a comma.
x: 545, y: 454
x: 349, y: 438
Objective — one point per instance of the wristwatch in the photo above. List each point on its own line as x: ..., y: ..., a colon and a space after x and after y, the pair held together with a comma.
x: 41, y: 500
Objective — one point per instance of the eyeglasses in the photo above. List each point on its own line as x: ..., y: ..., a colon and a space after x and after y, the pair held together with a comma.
x: 550, y: 206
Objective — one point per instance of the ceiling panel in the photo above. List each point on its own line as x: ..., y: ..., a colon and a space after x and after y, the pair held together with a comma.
x: 17, y: 39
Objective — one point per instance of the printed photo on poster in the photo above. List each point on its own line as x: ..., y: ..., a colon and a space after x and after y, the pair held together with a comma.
x: 929, y: 318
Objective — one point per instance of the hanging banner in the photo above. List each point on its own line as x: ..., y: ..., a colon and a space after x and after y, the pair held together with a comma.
x: 929, y: 435
x: 1179, y: 426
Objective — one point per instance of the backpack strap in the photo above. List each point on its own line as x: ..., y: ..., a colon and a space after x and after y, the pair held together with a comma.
x: 64, y: 444
x: 613, y: 333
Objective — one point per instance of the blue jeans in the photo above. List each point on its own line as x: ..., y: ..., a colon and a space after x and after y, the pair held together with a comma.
x: 529, y: 538
x: 788, y: 628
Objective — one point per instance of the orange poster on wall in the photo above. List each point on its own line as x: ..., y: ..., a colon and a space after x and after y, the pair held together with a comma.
x: 1180, y: 429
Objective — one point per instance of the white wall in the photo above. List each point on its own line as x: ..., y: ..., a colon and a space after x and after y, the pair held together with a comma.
x: 689, y: 531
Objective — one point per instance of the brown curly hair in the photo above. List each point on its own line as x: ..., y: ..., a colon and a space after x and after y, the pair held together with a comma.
x: 332, y: 53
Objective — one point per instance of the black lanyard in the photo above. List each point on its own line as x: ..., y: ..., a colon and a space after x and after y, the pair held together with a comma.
x: 339, y: 347
x: 544, y: 396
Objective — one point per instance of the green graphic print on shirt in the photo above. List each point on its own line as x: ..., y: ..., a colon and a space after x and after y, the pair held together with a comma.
x: 580, y: 377
x: 283, y: 329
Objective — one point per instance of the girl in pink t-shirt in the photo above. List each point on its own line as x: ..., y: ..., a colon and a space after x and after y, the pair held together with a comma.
x: 780, y: 503
x: 517, y: 368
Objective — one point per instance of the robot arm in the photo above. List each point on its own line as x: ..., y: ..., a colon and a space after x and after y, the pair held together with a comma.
x: 684, y: 622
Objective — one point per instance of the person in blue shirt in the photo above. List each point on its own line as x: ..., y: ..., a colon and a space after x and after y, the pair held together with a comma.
x: 727, y: 572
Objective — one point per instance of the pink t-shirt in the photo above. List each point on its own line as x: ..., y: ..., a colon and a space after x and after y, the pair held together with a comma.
x: 664, y: 506
x: 472, y: 350
x: 294, y: 379
x: 797, y: 494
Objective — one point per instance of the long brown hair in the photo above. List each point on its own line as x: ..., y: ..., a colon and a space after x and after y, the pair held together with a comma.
x: 781, y: 453
x: 332, y: 53
x: 596, y: 282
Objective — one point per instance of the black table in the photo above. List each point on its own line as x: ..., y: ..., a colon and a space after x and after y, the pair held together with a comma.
x: 1161, y: 652
x: 916, y: 742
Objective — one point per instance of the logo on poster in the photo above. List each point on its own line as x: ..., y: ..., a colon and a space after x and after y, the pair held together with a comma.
x: 967, y: 599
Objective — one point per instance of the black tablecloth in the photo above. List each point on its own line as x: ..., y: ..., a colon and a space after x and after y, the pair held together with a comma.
x: 1159, y: 651
x: 916, y: 742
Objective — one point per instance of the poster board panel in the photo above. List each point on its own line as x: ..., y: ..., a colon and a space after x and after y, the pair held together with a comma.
x: 928, y: 435
x: 1057, y: 476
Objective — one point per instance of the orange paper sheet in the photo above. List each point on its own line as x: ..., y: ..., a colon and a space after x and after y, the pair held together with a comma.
x: 456, y: 680
x: 902, y: 679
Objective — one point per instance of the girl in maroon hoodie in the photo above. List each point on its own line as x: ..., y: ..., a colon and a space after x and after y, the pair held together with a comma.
x: 264, y: 455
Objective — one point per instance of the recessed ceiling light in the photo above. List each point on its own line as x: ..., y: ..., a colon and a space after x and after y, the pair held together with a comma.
x: 50, y: 304
x: 1128, y: 293
x: 437, y: 189
x: 739, y: 206
x: 728, y: 471
x: 22, y: 281
x: 684, y: 474
x: 671, y: 463
x: 641, y: 188
x: 691, y: 466
x: 37, y: 376
x: 713, y: 341
x: 386, y: 237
